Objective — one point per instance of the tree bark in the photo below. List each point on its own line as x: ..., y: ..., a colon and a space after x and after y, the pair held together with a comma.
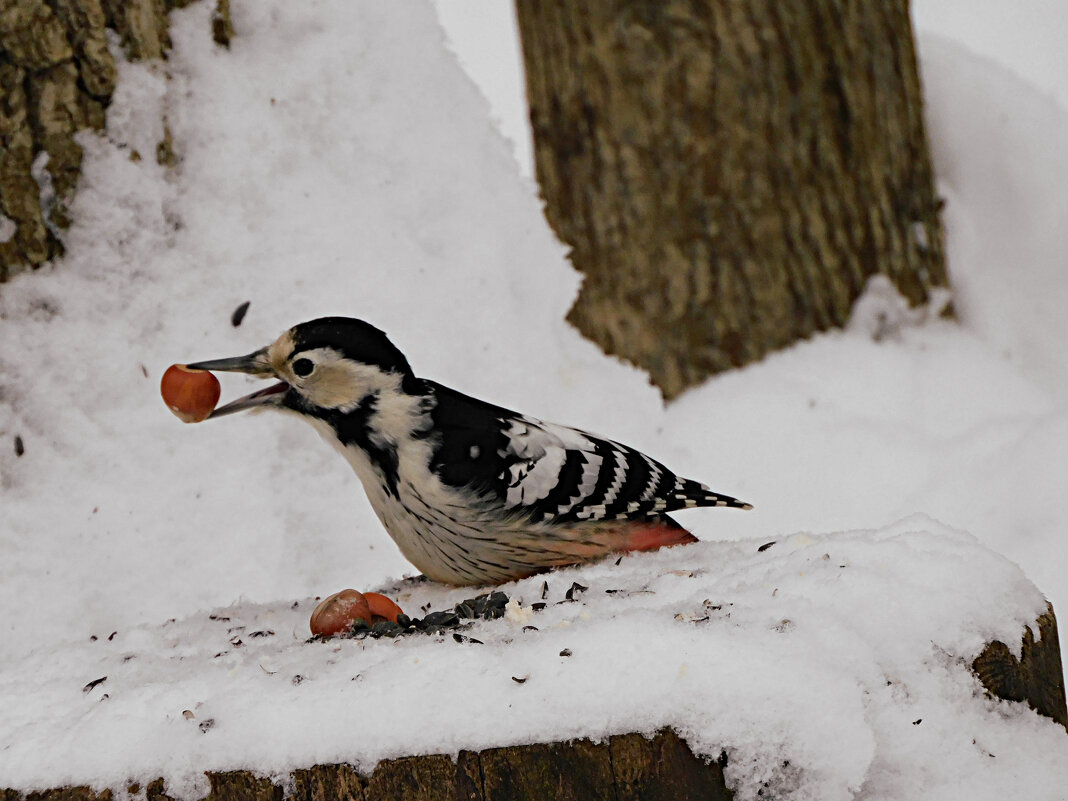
x: 1036, y: 678
x: 57, y: 77
x: 729, y: 173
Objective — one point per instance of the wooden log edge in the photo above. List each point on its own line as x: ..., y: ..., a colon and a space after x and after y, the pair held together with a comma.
x: 1037, y: 677
x: 625, y: 767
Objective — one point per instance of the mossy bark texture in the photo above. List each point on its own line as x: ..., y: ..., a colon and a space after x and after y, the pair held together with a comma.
x: 626, y: 767
x: 57, y: 77
x: 729, y: 173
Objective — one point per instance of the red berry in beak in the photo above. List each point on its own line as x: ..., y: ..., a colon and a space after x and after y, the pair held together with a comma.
x: 190, y: 394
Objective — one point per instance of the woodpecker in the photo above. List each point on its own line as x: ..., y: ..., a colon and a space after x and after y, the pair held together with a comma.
x: 472, y: 493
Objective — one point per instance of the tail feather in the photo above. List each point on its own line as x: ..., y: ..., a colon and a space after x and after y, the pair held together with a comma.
x: 693, y: 493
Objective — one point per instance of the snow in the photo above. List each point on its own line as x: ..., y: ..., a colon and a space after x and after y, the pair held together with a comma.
x: 993, y: 223
x: 360, y: 174
x: 844, y: 655
x: 1024, y: 37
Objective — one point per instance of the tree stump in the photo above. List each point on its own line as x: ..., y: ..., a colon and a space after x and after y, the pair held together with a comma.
x: 1036, y: 677
x: 729, y: 173
x: 624, y: 767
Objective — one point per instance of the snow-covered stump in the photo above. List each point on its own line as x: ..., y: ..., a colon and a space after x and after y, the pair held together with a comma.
x: 1036, y: 677
x: 629, y: 767
x: 864, y: 664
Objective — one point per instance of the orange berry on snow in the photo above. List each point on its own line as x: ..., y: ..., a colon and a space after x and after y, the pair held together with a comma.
x: 337, y: 612
x: 382, y: 607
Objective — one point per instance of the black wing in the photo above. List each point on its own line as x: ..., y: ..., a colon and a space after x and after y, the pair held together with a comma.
x: 552, y: 472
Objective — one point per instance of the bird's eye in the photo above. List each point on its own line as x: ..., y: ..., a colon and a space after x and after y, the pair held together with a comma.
x: 303, y: 367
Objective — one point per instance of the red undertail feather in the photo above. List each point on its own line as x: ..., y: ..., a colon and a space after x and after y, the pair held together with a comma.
x: 653, y: 535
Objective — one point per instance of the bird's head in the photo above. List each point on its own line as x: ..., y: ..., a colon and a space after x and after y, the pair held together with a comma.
x: 325, y: 366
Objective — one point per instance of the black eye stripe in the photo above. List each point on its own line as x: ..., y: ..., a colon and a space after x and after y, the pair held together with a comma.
x: 303, y: 367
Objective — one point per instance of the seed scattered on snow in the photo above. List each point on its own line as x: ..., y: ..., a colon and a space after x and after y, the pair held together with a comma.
x: 441, y: 619
x: 461, y: 638
x: 239, y: 313
x: 575, y: 589
x: 520, y: 679
x: 488, y: 606
x: 566, y: 652
x: 94, y: 683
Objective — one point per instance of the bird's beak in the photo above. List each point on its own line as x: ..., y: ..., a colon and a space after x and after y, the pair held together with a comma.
x: 257, y: 364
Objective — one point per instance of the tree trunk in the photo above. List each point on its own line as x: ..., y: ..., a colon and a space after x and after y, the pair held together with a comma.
x: 729, y: 173
x: 56, y: 79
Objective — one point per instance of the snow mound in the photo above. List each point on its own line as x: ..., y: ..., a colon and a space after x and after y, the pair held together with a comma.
x: 998, y: 144
x: 336, y: 160
x: 826, y: 666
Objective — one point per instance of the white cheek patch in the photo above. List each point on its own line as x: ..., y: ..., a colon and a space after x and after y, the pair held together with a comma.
x: 335, y: 385
x: 340, y: 383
